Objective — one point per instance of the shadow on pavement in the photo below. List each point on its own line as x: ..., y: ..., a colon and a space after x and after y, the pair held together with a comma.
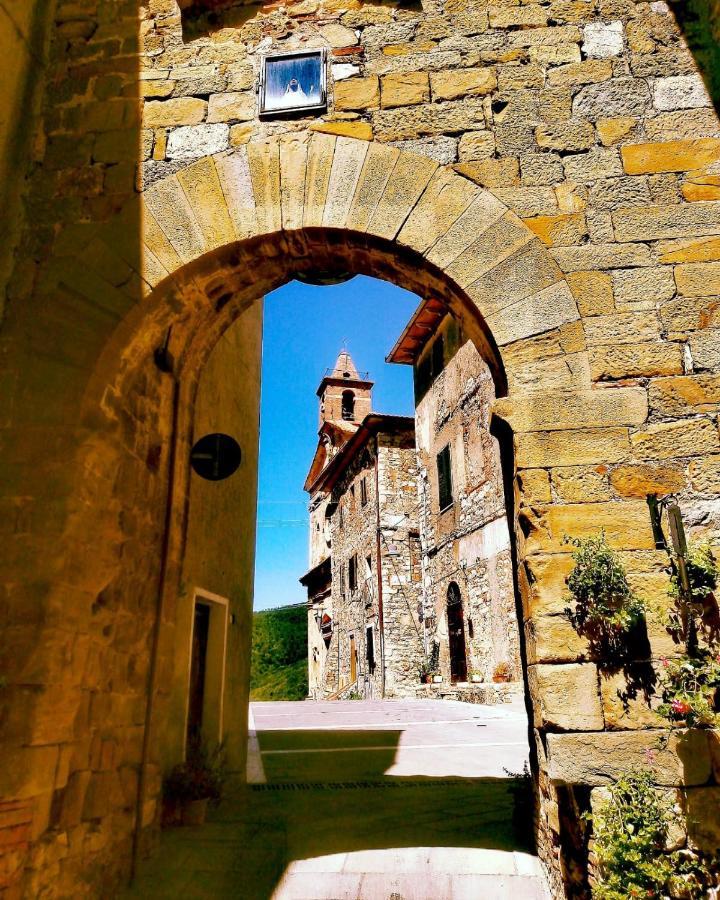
x: 324, y: 803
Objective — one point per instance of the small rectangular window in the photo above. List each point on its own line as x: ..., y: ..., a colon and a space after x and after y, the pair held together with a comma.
x: 438, y: 355
x: 352, y: 573
x: 444, y: 470
x: 341, y: 517
x: 363, y: 492
x: 368, y: 566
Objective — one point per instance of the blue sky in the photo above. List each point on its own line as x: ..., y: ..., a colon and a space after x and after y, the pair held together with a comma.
x: 304, y: 330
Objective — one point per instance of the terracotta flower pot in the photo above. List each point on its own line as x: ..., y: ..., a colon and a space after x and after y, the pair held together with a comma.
x: 194, y: 812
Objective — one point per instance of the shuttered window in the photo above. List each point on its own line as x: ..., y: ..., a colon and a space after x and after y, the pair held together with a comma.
x: 352, y: 573
x: 445, y: 487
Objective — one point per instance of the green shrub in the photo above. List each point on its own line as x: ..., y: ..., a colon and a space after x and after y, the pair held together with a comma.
x: 630, y: 832
x: 691, y: 685
x: 605, y: 608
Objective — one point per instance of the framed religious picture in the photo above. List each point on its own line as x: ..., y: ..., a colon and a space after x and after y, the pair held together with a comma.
x: 293, y: 82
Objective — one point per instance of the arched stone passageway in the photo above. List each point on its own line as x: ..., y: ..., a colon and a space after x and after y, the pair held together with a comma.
x: 217, y: 236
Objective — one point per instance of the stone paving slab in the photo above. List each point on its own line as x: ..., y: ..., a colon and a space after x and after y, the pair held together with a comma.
x: 350, y: 827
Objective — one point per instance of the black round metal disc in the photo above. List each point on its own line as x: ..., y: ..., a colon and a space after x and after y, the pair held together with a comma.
x: 215, y: 456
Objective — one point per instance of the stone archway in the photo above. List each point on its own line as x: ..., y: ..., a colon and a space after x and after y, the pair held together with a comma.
x: 226, y: 229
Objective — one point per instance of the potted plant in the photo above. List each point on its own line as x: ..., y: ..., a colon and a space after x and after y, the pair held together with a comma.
x: 502, y: 673
x: 475, y: 676
x: 437, y: 678
x: 195, y: 783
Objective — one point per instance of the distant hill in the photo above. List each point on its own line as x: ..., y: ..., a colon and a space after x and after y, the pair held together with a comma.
x: 279, y: 654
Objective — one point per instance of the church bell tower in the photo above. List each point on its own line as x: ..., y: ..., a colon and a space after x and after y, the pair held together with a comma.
x: 344, y: 395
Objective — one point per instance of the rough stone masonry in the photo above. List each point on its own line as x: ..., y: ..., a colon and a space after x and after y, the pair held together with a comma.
x: 551, y: 170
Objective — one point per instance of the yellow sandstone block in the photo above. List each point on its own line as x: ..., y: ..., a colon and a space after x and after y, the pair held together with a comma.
x: 698, y: 279
x: 693, y: 192
x: 180, y: 111
x: 202, y: 187
x: 680, y: 251
x: 626, y: 525
x: 404, y: 89
x: 610, y: 131
x: 360, y: 130
x: 540, y: 449
x: 641, y: 480
x: 451, y: 84
x: 563, y: 230
x: 670, y: 156
x: 405, y: 49
x: 705, y: 475
x: 666, y: 440
x: 593, y: 292
x: 358, y: 93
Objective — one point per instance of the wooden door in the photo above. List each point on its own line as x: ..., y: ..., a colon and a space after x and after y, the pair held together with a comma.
x: 353, y: 659
x: 456, y: 635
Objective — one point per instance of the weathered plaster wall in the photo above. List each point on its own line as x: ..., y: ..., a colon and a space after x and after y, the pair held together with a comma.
x: 220, y: 544
x: 468, y: 543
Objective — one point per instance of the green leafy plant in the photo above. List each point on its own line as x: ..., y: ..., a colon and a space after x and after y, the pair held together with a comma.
x: 202, y: 776
x: 699, y: 610
x: 691, y: 689
x: 691, y: 683
x: 630, y: 833
x: 605, y: 608
x: 630, y: 830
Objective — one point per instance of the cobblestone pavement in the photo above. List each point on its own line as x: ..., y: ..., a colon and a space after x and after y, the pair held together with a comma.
x: 395, y: 800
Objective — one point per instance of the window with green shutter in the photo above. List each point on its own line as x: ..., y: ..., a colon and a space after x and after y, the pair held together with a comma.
x: 445, y: 488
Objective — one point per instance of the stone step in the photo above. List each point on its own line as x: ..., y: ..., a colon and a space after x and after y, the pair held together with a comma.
x: 386, y: 886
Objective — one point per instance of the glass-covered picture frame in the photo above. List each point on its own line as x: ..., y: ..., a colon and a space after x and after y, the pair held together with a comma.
x: 293, y: 82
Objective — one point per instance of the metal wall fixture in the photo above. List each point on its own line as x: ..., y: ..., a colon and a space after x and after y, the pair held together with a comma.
x: 294, y: 82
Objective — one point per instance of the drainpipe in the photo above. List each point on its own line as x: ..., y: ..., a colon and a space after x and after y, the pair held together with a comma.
x: 157, y: 625
x: 378, y: 567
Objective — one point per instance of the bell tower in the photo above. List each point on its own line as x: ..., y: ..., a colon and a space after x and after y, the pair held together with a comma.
x: 344, y: 395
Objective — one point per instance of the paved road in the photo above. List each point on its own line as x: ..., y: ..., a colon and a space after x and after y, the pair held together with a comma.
x: 364, y: 800
x: 355, y: 739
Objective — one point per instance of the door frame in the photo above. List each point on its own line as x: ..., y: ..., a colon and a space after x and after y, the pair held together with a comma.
x: 215, y: 666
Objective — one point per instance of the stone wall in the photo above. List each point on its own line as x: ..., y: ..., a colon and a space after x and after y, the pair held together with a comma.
x: 468, y: 543
x: 572, y: 225
x: 355, y: 534
x: 401, y: 566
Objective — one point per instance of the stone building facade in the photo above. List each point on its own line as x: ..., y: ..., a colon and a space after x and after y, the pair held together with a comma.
x: 548, y: 169
x: 364, y: 608
x: 468, y: 596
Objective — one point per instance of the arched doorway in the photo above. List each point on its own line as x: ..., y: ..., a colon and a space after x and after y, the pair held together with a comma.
x: 281, y: 208
x: 456, y: 634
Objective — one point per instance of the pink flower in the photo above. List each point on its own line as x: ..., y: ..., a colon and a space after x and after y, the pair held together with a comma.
x: 680, y: 707
x: 650, y: 756
x: 665, y: 662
